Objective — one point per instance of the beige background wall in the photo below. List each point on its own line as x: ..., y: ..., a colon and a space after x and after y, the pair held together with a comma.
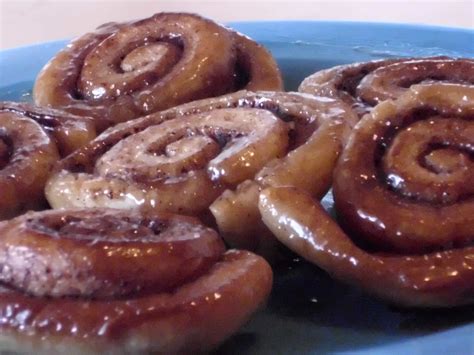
x: 30, y: 21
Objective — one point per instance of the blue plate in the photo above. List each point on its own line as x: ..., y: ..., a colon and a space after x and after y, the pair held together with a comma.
x: 308, y: 312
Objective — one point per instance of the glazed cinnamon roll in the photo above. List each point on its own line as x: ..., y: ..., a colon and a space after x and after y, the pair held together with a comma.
x: 403, y: 193
x: 126, y: 70
x: 27, y: 156
x: 178, y: 165
x: 69, y: 132
x: 104, y: 280
x: 364, y: 85
x: 110, y: 171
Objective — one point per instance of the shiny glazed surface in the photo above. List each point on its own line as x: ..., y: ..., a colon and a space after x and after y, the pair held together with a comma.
x: 364, y: 85
x: 126, y: 70
x: 404, y: 180
x: 319, y: 127
x: 69, y: 132
x: 103, y: 253
x: 27, y: 156
x: 438, y: 279
x: 178, y: 165
x: 212, y: 296
x: 403, y: 194
x: 308, y: 310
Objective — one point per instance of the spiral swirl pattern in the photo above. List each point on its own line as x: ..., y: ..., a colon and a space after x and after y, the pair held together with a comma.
x: 126, y: 70
x: 109, y: 280
x: 402, y: 191
x: 364, y: 85
x: 413, y: 194
x: 319, y: 127
x: 178, y: 165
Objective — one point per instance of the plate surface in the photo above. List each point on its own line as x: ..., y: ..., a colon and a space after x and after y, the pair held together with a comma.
x: 309, y: 313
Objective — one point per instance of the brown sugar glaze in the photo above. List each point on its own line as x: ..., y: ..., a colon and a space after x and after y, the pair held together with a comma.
x: 304, y: 124
x: 27, y: 156
x: 413, y: 195
x: 126, y: 70
x: 319, y: 127
x: 178, y: 165
x: 417, y: 241
x: 206, y: 306
x: 364, y: 85
x: 69, y: 131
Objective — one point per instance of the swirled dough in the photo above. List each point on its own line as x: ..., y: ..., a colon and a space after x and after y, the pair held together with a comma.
x: 125, y: 70
x: 110, y: 281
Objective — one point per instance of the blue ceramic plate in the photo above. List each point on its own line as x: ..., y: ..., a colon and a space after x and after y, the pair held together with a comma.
x: 308, y: 312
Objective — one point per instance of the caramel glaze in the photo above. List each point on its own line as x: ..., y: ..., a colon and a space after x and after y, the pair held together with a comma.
x: 103, y: 253
x: 69, y: 131
x: 364, y: 85
x: 27, y: 156
x: 211, y: 301
x: 388, y: 188
x: 178, y: 165
x: 125, y: 70
x: 404, y: 180
x: 438, y: 279
x: 319, y: 126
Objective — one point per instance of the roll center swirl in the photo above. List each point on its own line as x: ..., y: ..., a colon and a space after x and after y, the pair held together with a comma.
x: 150, y: 56
x: 431, y: 159
x: 447, y: 160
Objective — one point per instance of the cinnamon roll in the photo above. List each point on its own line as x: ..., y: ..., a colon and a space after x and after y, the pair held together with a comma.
x: 177, y: 165
x: 27, y: 156
x: 403, y: 193
x: 69, y: 132
x: 104, y: 280
x: 364, y: 85
x: 125, y: 70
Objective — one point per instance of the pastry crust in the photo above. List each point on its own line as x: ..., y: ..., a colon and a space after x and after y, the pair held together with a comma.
x: 364, y: 85
x: 27, y: 156
x: 402, y: 191
x: 70, y: 132
x: 123, y: 71
x: 195, y: 315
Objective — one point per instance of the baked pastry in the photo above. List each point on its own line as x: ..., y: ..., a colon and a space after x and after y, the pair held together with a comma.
x: 246, y: 140
x: 364, y: 85
x: 108, y: 281
x: 125, y: 70
x: 27, y: 156
x: 69, y: 132
x: 402, y: 191
x: 177, y: 165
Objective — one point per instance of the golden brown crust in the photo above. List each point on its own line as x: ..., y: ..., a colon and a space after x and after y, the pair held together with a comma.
x: 178, y: 165
x: 27, y: 156
x: 319, y: 127
x: 126, y: 70
x: 193, y: 315
x: 439, y: 279
x: 69, y: 131
x: 402, y: 185
x: 363, y: 85
x: 256, y: 69
x: 103, y: 254
x: 403, y: 179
